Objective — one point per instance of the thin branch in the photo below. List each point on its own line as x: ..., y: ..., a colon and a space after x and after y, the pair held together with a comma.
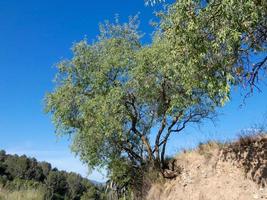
x: 190, y: 118
x: 164, y: 142
x: 132, y: 153
x: 255, y: 72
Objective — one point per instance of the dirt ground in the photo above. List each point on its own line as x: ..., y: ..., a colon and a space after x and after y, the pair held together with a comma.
x: 210, y: 175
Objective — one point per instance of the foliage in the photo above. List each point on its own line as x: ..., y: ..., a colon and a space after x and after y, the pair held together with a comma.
x: 46, y: 168
x: 20, y: 176
x: 91, y: 194
x: 75, y: 186
x: 220, y: 36
x: 20, y: 184
x: 121, y: 101
x: 114, y: 91
x: 56, y: 184
x: 17, y: 166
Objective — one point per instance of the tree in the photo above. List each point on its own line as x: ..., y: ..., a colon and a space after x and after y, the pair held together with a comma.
x: 34, y: 171
x: 114, y: 94
x: 220, y: 36
x: 2, y: 169
x: 17, y: 166
x: 2, y: 164
x: 20, y: 172
x: 91, y: 194
x: 46, y: 167
x: 75, y: 186
x: 56, y: 185
x: 2, y: 155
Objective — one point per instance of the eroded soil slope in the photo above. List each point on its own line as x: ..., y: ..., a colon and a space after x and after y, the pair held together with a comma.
x: 215, y: 172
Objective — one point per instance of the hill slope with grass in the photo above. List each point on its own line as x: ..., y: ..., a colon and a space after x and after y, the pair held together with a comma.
x: 217, y: 171
x: 24, y: 178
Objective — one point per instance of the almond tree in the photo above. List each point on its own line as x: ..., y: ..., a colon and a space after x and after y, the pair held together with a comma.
x: 121, y: 101
x: 114, y: 95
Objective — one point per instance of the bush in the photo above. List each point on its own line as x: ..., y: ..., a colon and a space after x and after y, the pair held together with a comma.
x: 90, y: 194
x: 19, y: 184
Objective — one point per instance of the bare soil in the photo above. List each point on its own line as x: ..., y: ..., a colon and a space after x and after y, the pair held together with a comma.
x: 236, y: 171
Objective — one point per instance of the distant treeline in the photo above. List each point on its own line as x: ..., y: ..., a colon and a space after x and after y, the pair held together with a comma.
x: 22, y: 173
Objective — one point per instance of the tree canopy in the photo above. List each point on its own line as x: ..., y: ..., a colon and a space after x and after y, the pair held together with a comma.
x: 222, y: 36
x: 122, y: 100
x: 115, y: 90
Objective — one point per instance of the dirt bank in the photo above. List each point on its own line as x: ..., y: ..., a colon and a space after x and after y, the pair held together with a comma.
x: 219, y: 172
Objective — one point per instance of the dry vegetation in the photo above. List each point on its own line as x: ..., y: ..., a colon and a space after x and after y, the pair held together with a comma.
x: 21, y: 195
x: 250, y: 153
x: 217, y: 171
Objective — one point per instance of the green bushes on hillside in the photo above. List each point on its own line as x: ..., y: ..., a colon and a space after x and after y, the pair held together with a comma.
x: 20, y: 175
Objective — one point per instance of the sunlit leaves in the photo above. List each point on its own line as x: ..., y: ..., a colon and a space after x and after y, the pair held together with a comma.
x: 114, y: 93
x: 219, y: 36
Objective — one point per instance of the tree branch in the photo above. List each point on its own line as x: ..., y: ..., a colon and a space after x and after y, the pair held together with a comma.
x: 166, y: 104
x: 190, y: 118
x: 255, y: 72
x: 134, y: 117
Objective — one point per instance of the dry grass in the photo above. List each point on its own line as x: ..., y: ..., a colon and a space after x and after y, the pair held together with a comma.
x: 21, y: 195
x: 208, y: 148
x: 248, y: 139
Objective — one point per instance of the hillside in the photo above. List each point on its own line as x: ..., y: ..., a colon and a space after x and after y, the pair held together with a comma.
x: 22, y: 178
x: 218, y: 172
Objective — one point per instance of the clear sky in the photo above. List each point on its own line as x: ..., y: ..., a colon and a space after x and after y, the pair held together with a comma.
x: 34, y: 36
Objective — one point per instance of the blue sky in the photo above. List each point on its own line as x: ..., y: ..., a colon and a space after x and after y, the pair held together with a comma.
x: 34, y: 36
